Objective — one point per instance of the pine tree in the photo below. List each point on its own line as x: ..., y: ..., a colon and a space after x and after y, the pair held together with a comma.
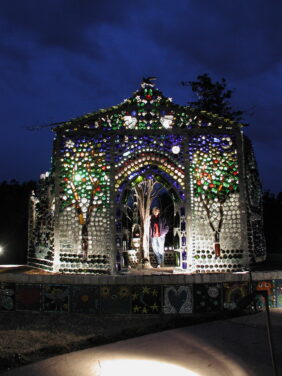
x: 213, y: 97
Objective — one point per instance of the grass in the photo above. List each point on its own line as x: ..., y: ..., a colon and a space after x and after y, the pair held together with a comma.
x: 28, y: 337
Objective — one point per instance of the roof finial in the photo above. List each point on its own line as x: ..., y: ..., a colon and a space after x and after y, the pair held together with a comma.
x: 147, y: 81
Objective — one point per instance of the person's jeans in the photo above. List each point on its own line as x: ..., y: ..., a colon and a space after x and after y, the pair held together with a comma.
x: 158, y: 248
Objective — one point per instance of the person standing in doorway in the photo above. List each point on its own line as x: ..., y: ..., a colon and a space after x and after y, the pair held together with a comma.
x: 158, y: 230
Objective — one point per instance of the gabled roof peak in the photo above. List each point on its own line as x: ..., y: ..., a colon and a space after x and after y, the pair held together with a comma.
x: 147, y: 109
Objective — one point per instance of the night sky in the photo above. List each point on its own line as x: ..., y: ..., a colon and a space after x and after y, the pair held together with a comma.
x: 63, y: 58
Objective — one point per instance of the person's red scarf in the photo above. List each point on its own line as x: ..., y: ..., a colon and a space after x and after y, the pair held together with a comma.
x: 156, y: 226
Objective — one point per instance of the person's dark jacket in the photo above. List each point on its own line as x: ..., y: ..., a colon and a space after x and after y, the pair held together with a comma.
x: 162, y: 224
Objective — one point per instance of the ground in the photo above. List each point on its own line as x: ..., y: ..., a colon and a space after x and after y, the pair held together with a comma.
x: 29, y: 337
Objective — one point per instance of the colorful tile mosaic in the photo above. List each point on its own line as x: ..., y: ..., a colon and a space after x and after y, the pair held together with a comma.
x: 207, y: 297
x: 115, y: 299
x: 7, y: 296
x: 233, y: 293
x: 56, y: 298
x: 265, y: 286
x: 85, y: 299
x: 28, y: 297
x: 146, y: 299
x: 178, y: 299
x: 278, y: 293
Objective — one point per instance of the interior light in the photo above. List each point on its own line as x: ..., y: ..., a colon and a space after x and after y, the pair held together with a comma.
x: 128, y: 367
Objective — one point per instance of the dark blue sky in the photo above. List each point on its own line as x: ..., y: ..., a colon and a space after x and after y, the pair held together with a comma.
x: 62, y: 58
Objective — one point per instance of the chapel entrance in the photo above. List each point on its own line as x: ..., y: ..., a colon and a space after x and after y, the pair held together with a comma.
x: 134, y: 202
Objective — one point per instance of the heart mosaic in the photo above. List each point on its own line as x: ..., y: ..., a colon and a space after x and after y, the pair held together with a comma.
x: 178, y: 299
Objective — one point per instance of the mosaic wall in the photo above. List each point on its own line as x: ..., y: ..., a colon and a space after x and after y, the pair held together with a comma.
x: 278, y: 293
x: 207, y: 297
x: 271, y: 287
x: 217, y: 241
x: 255, y: 228
x: 41, y: 225
x: 101, y: 160
x: 233, y: 292
x: 85, y: 299
x: 180, y: 236
x: 84, y: 191
x: 178, y: 299
x: 29, y: 297
x: 136, y: 300
x: 7, y: 296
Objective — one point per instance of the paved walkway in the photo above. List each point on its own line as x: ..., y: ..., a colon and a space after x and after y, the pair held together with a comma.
x: 236, y: 347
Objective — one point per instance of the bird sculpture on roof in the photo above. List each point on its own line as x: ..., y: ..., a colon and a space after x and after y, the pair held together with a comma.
x: 147, y: 81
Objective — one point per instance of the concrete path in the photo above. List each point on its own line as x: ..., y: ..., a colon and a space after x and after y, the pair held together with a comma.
x: 236, y: 347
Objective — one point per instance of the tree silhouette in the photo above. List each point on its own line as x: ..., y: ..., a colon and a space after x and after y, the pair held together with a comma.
x: 213, y: 96
x: 145, y: 190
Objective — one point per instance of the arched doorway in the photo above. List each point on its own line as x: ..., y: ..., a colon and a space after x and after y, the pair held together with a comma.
x: 167, y: 194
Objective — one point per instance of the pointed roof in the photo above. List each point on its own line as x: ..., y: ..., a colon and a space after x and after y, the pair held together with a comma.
x: 147, y: 109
